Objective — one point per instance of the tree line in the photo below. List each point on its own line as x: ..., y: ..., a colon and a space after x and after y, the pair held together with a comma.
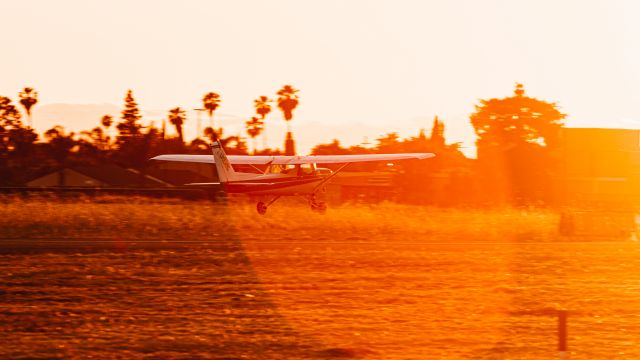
x: 517, y: 143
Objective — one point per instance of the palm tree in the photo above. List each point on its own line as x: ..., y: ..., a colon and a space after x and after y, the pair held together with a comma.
x: 263, y: 108
x: 210, y: 133
x: 177, y: 117
x: 287, y: 101
x: 106, y: 122
x: 254, y: 128
x: 28, y: 98
x: 210, y: 102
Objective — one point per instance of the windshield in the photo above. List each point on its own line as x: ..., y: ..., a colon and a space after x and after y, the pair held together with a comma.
x: 303, y: 169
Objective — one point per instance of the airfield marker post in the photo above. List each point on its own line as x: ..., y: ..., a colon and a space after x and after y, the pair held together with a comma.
x: 562, y: 334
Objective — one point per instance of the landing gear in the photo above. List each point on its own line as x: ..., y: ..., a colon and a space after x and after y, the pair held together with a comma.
x: 318, y: 206
x: 262, y: 207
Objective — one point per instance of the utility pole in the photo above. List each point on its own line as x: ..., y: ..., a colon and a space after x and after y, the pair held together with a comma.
x: 199, y: 122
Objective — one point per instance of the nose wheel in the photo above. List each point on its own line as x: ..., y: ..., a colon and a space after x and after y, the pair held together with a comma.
x: 262, y: 208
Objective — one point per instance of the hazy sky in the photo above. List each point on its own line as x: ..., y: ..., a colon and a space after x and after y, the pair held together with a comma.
x: 363, y: 67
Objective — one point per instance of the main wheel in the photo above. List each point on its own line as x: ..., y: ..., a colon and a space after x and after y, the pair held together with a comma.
x: 262, y: 208
x: 320, y: 207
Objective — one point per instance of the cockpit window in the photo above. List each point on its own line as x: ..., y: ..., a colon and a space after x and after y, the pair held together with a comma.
x: 281, y: 169
x: 299, y: 170
x: 288, y: 169
x: 306, y: 169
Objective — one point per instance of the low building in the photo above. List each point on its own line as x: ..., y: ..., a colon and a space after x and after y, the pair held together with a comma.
x: 97, y: 176
x: 601, y: 166
x: 600, y: 182
x: 180, y: 173
x: 361, y: 187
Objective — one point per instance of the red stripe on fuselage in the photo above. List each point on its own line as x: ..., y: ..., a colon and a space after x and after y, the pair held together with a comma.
x: 269, y: 184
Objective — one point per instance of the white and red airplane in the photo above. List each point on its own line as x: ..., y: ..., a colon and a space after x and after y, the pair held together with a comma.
x: 284, y: 175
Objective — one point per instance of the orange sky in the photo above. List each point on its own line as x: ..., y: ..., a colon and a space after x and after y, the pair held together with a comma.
x: 363, y: 67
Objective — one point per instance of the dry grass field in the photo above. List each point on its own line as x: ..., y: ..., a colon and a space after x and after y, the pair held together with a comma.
x: 139, y: 278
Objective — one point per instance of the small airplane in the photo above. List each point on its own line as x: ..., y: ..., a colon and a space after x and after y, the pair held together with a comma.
x: 284, y: 175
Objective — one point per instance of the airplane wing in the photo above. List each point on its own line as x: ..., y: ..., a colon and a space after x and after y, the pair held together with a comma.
x: 208, y: 159
x: 344, y: 159
x: 295, y: 160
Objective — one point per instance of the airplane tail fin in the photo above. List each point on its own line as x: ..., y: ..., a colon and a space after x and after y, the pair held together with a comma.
x: 223, y: 166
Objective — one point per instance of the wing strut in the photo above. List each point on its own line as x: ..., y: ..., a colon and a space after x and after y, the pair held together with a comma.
x: 324, y: 181
x: 268, y: 166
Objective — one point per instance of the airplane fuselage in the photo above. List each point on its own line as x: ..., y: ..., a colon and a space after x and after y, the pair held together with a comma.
x: 275, y: 184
